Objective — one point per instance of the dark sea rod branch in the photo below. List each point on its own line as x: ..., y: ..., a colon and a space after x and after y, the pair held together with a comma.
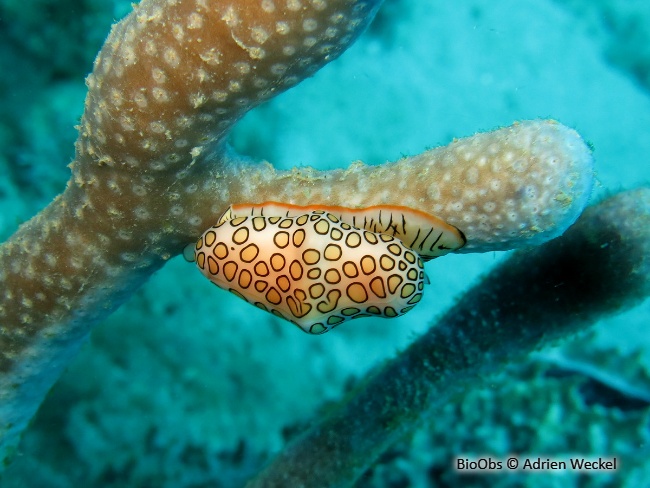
x: 599, y: 267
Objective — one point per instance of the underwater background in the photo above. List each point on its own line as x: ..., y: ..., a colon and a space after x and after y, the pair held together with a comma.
x: 188, y: 386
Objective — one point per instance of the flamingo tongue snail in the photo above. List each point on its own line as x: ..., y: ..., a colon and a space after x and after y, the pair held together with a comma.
x: 319, y: 266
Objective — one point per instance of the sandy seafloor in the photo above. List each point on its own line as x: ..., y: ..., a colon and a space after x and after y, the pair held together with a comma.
x: 186, y: 386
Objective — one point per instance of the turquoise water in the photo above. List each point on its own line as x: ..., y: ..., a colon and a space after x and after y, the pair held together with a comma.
x: 168, y: 392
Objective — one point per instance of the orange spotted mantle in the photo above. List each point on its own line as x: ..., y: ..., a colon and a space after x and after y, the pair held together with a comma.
x: 320, y: 266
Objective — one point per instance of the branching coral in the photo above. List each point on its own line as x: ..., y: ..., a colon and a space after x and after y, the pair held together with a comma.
x: 152, y: 170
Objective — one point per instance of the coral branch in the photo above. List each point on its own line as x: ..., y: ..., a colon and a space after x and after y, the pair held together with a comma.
x: 513, y: 187
x: 171, y: 79
x: 600, y: 266
x: 152, y: 171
